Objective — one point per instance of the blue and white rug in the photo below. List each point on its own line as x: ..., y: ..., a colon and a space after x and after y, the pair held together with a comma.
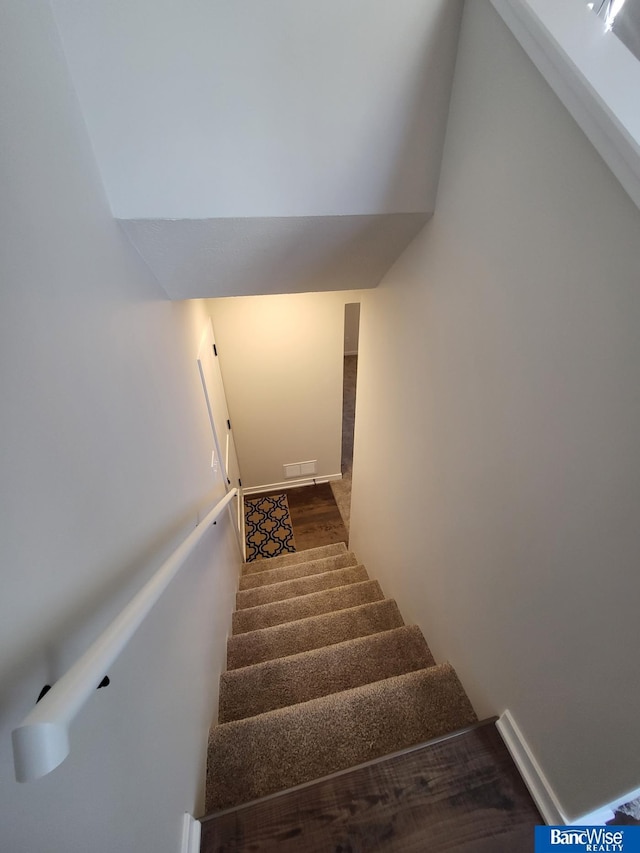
x: 268, y: 527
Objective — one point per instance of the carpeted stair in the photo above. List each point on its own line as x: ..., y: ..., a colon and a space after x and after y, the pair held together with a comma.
x: 312, y: 633
x: 322, y: 675
x: 292, y: 558
x: 297, y: 678
x: 311, y: 604
x: 299, y: 586
x: 297, y: 570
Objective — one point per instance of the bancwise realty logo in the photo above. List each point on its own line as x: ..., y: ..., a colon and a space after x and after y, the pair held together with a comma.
x: 588, y: 839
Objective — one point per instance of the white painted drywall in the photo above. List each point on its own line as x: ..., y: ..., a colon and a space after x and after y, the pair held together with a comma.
x: 282, y: 365
x: 194, y: 258
x: 251, y: 109
x: 105, y: 456
x: 498, y: 375
x: 590, y: 70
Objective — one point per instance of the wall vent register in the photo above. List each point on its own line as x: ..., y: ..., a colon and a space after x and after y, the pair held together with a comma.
x: 300, y: 469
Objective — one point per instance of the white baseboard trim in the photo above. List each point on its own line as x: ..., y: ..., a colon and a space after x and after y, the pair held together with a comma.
x: 531, y: 772
x: 540, y: 788
x: 607, y: 812
x: 598, y: 818
x: 291, y: 484
x: 191, y: 829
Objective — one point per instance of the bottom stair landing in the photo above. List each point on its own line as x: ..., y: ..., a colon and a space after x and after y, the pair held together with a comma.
x: 325, y: 686
x: 459, y: 793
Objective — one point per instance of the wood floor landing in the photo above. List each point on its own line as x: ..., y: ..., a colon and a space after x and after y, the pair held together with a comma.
x: 315, y: 516
x: 461, y: 794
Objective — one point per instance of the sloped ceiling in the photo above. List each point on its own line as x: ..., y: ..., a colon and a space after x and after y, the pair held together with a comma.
x: 218, y: 123
x: 222, y: 257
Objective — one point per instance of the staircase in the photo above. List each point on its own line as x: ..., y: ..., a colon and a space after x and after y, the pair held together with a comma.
x: 323, y: 675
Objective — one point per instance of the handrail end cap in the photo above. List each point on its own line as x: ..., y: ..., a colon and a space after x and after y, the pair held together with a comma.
x: 38, y: 748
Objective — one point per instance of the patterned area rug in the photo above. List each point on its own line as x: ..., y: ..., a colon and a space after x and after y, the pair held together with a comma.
x: 268, y: 527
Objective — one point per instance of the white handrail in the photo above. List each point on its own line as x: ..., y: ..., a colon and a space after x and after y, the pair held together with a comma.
x: 41, y: 742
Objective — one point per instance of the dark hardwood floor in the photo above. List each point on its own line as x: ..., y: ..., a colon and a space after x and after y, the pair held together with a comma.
x: 462, y: 793
x: 315, y: 516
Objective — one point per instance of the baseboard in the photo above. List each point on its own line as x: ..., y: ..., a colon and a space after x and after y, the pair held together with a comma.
x: 191, y: 829
x: 607, y: 812
x: 291, y: 484
x: 597, y: 818
x: 540, y: 788
x: 531, y: 772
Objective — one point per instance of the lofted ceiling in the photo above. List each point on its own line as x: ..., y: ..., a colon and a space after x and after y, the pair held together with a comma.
x: 265, y: 146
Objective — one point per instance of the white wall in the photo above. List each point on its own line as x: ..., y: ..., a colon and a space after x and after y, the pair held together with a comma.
x: 498, y: 375
x: 245, y: 109
x: 282, y: 365
x: 253, y: 148
x: 104, y: 464
x: 195, y: 258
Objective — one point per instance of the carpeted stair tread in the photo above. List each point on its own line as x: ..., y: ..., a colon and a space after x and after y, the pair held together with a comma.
x: 299, y: 570
x: 288, y: 681
x: 278, y: 612
x: 260, y: 755
x: 313, y: 632
x: 300, y: 586
x: 293, y: 557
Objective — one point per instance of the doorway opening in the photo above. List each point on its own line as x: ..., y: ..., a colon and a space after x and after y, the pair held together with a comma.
x: 342, y: 488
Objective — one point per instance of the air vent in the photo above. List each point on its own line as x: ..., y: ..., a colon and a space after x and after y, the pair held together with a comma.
x: 300, y: 469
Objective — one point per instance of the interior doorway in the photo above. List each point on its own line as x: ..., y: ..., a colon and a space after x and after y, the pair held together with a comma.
x: 342, y: 488
x: 224, y: 453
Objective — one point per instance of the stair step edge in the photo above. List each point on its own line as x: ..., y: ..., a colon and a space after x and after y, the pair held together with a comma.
x: 488, y: 721
x: 384, y: 611
x: 296, y: 570
x: 278, y: 609
x: 397, y: 651
x: 308, y: 580
x: 428, y: 702
x: 293, y: 557
x: 307, y: 595
x: 445, y: 667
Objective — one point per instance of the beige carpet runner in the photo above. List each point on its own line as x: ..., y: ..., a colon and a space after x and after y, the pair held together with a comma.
x: 323, y: 675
